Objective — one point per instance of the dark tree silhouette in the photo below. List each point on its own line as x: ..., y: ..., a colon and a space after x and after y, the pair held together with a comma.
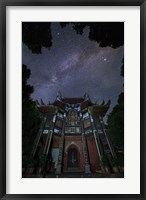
x: 26, y: 89
x: 116, y: 124
x: 104, y: 33
x: 122, y: 68
x: 38, y: 34
x: 30, y: 117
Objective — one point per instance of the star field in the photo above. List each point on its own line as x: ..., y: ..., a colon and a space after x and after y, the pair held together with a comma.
x: 75, y: 65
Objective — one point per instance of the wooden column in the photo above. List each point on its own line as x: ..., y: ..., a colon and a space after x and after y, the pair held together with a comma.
x: 36, y: 142
x: 60, y: 156
x: 109, y: 143
x: 48, y: 142
x: 98, y: 144
x: 85, y: 152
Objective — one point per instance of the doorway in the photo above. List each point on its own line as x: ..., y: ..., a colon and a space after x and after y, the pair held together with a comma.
x: 73, y: 159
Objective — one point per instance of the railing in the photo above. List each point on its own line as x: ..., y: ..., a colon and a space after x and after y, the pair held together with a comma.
x: 37, y: 139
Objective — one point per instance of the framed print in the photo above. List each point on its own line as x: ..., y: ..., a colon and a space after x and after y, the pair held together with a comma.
x: 72, y: 99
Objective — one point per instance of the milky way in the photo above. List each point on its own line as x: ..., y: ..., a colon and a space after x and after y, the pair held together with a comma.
x: 75, y: 65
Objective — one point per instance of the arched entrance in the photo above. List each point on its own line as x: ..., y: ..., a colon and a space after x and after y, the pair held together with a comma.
x: 73, y: 159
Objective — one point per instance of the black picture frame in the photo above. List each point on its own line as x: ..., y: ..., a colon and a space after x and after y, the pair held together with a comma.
x: 3, y: 5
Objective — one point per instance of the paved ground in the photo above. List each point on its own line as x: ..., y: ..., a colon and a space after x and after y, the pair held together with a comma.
x: 76, y: 175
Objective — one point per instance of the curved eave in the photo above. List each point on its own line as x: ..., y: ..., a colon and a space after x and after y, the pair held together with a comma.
x: 86, y: 104
x: 47, y: 108
x: 101, y: 109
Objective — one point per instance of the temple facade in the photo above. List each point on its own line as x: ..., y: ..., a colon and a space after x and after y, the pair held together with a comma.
x: 72, y: 137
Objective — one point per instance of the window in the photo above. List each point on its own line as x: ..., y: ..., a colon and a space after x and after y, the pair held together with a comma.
x: 85, y: 115
x: 73, y: 130
x: 87, y: 123
x: 72, y: 117
x: 45, y: 131
x: 88, y: 131
x: 78, y: 129
x: 56, y: 130
x: 54, y: 118
x: 60, y: 115
x: 58, y: 123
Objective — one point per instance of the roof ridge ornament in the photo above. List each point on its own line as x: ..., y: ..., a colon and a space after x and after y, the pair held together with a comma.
x: 42, y: 103
x: 59, y: 95
x: 37, y: 102
x: 109, y: 102
x: 103, y: 102
x: 86, y: 96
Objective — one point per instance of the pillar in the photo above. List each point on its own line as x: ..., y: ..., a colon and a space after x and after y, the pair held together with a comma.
x: 85, y: 152
x: 59, y: 164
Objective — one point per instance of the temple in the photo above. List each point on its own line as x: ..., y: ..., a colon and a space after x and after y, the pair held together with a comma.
x: 72, y: 137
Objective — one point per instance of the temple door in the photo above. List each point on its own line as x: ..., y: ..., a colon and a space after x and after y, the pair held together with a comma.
x: 73, y: 161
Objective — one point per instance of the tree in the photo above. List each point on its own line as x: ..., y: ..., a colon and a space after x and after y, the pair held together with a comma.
x: 105, y: 33
x: 30, y: 117
x: 26, y: 89
x: 116, y: 118
x: 122, y: 68
x: 39, y: 34
x: 116, y: 123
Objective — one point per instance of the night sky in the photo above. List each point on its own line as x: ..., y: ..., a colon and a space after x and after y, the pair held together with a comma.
x: 75, y: 65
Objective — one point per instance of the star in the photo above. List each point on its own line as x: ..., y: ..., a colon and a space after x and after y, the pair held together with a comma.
x: 75, y: 64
